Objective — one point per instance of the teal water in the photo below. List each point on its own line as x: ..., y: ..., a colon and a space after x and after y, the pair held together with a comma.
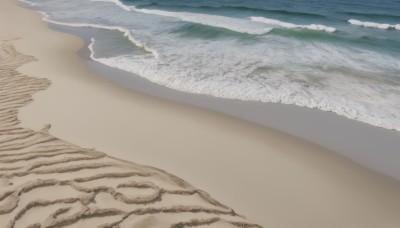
x: 334, y: 55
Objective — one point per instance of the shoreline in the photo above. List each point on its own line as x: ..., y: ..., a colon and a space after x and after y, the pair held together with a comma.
x: 48, y: 182
x: 350, y: 138
x: 282, y: 176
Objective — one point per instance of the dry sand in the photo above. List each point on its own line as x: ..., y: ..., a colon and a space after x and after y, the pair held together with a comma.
x: 47, y: 182
x: 274, y: 179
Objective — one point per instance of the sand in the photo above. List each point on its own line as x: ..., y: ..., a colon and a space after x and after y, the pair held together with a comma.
x: 47, y: 182
x: 272, y: 178
x: 354, y: 140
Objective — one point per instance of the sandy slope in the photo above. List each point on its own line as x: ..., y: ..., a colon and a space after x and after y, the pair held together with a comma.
x: 274, y: 179
x: 47, y: 182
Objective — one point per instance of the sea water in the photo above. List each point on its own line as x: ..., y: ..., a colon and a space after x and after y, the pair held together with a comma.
x: 334, y: 55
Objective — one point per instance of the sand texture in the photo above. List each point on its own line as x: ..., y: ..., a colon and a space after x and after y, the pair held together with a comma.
x: 274, y: 179
x: 47, y: 182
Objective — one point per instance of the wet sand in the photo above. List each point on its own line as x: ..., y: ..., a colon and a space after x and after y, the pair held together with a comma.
x: 271, y: 177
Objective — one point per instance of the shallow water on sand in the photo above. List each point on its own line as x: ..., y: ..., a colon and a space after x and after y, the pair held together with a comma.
x: 335, y: 56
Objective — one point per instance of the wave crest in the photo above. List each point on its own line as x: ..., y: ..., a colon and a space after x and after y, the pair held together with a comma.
x: 274, y: 22
x: 373, y: 24
x: 229, y: 23
x: 232, y: 7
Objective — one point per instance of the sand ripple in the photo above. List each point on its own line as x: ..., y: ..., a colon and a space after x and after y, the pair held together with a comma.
x: 47, y: 182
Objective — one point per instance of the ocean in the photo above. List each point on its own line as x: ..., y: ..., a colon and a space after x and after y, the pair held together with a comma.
x: 333, y: 55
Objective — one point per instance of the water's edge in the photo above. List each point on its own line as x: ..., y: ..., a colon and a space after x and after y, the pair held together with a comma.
x: 370, y: 146
x: 340, y: 72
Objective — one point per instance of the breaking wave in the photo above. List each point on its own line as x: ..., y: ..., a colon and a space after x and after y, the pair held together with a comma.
x: 274, y: 22
x: 374, y: 24
x: 229, y: 23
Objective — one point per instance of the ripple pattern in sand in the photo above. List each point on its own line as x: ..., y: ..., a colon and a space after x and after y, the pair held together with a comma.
x: 47, y: 182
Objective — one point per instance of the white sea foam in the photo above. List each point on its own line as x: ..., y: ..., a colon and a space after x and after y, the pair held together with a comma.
x: 274, y: 22
x: 229, y: 23
x: 355, y: 82
x: 278, y: 85
x: 118, y: 3
x: 373, y: 24
x: 289, y: 93
x: 90, y: 46
x: 127, y: 33
x: 29, y: 3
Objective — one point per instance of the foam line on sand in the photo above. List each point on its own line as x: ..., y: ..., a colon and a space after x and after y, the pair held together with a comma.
x: 272, y: 178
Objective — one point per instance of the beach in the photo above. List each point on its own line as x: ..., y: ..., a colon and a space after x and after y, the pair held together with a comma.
x: 272, y: 178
